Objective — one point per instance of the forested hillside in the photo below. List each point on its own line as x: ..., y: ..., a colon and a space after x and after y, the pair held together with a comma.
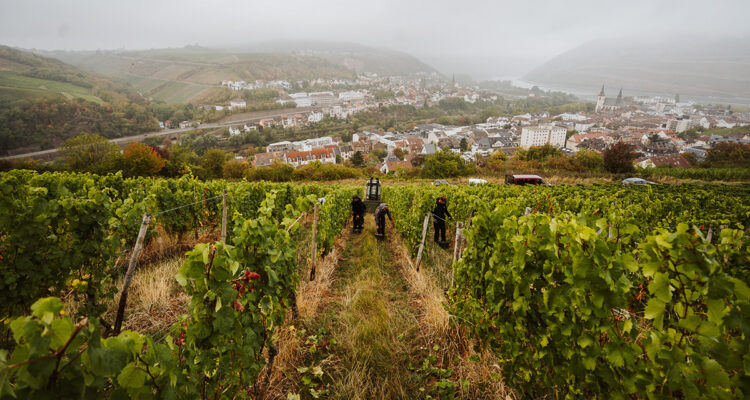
x: 46, y: 122
x: 44, y: 101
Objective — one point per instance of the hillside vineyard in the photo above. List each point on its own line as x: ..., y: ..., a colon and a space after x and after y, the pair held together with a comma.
x: 599, y: 291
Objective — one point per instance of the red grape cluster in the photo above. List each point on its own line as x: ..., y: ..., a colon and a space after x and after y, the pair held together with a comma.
x: 243, y: 285
x: 180, y: 340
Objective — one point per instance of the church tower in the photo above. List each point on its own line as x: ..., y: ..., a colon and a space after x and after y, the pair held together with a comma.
x: 600, y: 100
x: 618, y: 103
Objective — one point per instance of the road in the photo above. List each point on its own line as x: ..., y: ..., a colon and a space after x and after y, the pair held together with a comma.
x: 236, y: 119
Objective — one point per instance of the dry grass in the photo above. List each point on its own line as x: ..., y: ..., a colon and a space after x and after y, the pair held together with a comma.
x: 155, y: 299
x: 439, y: 329
x: 381, y: 324
x: 311, y: 296
x: 165, y: 246
x: 363, y: 310
x: 375, y: 329
x: 284, y: 376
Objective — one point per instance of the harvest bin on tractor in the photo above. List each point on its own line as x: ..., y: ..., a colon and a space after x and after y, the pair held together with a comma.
x: 372, y: 194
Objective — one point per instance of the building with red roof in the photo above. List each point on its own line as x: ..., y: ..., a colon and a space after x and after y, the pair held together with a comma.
x: 299, y: 158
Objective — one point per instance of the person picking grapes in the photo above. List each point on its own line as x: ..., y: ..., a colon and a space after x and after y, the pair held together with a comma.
x: 358, y: 213
x: 439, y: 215
x: 380, y: 214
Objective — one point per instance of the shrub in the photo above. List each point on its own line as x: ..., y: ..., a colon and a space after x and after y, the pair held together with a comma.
x: 619, y: 157
x: 317, y: 171
x: 446, y: 164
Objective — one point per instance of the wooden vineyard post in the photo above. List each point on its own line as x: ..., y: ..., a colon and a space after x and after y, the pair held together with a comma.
x: 463, y: 238
x: 129, y: 273
x: 224, y: 217
x: 457, y: 246
x: 314, y: 254
x: 421, y: 245
x: 463, y: 245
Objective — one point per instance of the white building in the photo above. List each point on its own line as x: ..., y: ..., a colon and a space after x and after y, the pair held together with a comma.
x: 704, y: 123
x: 188, y: 124
x: 237, y: 103
x: 288, y: 121
x: 234, y: 131
x: 314, y: 117
x: 572, y: 117
x: 280, y: 146
x: 543, y: 134
x: 323, y: 99
x: 318, y: 142
x: 678, y: 125
x: 302, y: 99
x: 724, y: 124
x: 582, y: 127
x: 663, y: 107
x: 337, y: 112
x: 351, y: 96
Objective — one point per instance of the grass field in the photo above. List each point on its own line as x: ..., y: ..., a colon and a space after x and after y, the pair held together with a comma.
x: 24, y: 86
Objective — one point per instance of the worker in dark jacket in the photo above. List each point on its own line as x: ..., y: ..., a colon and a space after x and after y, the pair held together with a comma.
x: 439, y: 215
x: 380, y: 214
x: 358, y: 213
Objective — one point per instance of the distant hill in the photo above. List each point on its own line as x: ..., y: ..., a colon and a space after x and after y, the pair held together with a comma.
x: 25, y: 75
x: 44, y: 101
x: 192, y: 74
x: 350, y: 55
x: 706, y: 69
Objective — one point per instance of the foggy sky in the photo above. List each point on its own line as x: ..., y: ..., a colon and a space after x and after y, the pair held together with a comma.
x: 519, y: 33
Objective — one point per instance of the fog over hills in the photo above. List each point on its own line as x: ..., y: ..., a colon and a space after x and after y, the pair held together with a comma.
x: 503, y: 39
x: 354, y: 56
x: 192, y: 73
x: 27, y: 75
x: 707, y: 69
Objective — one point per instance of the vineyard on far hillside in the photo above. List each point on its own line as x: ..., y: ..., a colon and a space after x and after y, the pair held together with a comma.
x: 599, y: 291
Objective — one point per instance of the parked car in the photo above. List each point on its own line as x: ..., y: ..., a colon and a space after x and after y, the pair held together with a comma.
x: 476, y: 181
x: 637, y: 181
x: 439, y: 182
x: 524, y: 180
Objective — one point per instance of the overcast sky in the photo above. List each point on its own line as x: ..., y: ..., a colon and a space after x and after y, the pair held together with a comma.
x: 519, y: 32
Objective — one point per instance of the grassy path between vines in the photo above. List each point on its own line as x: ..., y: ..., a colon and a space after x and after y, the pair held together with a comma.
x: 372, y: 325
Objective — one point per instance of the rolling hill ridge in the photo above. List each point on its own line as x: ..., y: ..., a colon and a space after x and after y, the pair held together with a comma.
x: 707, y: 69
x: 193, y: 74
x: 356, y: 57
x: 25, y: 75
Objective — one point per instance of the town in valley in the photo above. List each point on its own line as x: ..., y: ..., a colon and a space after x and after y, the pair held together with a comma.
x: 665, y: 131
